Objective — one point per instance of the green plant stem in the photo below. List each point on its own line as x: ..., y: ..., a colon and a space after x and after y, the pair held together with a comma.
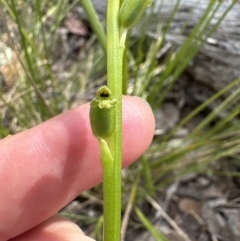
x: 95, y: 23
x: 125, y: 68
x: 112, y: 176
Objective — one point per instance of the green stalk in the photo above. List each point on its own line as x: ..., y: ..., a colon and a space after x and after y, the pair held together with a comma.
x: 125, y: 68
x: 106, y: 111
x: 112, y: 173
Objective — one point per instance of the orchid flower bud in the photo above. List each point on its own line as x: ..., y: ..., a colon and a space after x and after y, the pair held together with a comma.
x: 102, y: 114
x: 131, y: 11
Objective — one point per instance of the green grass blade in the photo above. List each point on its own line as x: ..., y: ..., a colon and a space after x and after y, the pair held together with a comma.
x: 95, y: 23
x: 149, y: 226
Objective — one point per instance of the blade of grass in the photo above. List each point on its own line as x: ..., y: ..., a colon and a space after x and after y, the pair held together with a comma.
x: 128, y: 210
x: 39, y: 15
x: 167, y: 217
x: 31, y: 72
x: 188, y: 50
x: 149, y: 185
x: 201, y: 107
x: 144, y: 74
x: 232, y: 98
x: 179, y: 62
x: 98, y: 228
x: 95, y: 23
x: 149, y: 226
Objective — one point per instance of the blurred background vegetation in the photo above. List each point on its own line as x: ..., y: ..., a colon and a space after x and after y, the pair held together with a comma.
x: 50, y: 61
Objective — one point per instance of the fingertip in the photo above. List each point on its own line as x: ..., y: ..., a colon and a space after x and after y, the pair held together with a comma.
x: 138, y: 127
x: 55, y: 161
x: 55, y: 228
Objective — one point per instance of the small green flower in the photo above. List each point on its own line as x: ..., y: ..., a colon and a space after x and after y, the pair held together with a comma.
x: 131, y: 11
x: 102, y: 113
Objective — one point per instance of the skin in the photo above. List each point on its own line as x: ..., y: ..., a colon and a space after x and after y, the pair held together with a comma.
x: 44, y: 168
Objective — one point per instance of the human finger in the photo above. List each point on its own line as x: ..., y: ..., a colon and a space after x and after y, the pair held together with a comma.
x: 44, y: 168
x: 56, y: 228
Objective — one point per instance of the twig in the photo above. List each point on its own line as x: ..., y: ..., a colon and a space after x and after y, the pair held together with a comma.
x: 167, y: 218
